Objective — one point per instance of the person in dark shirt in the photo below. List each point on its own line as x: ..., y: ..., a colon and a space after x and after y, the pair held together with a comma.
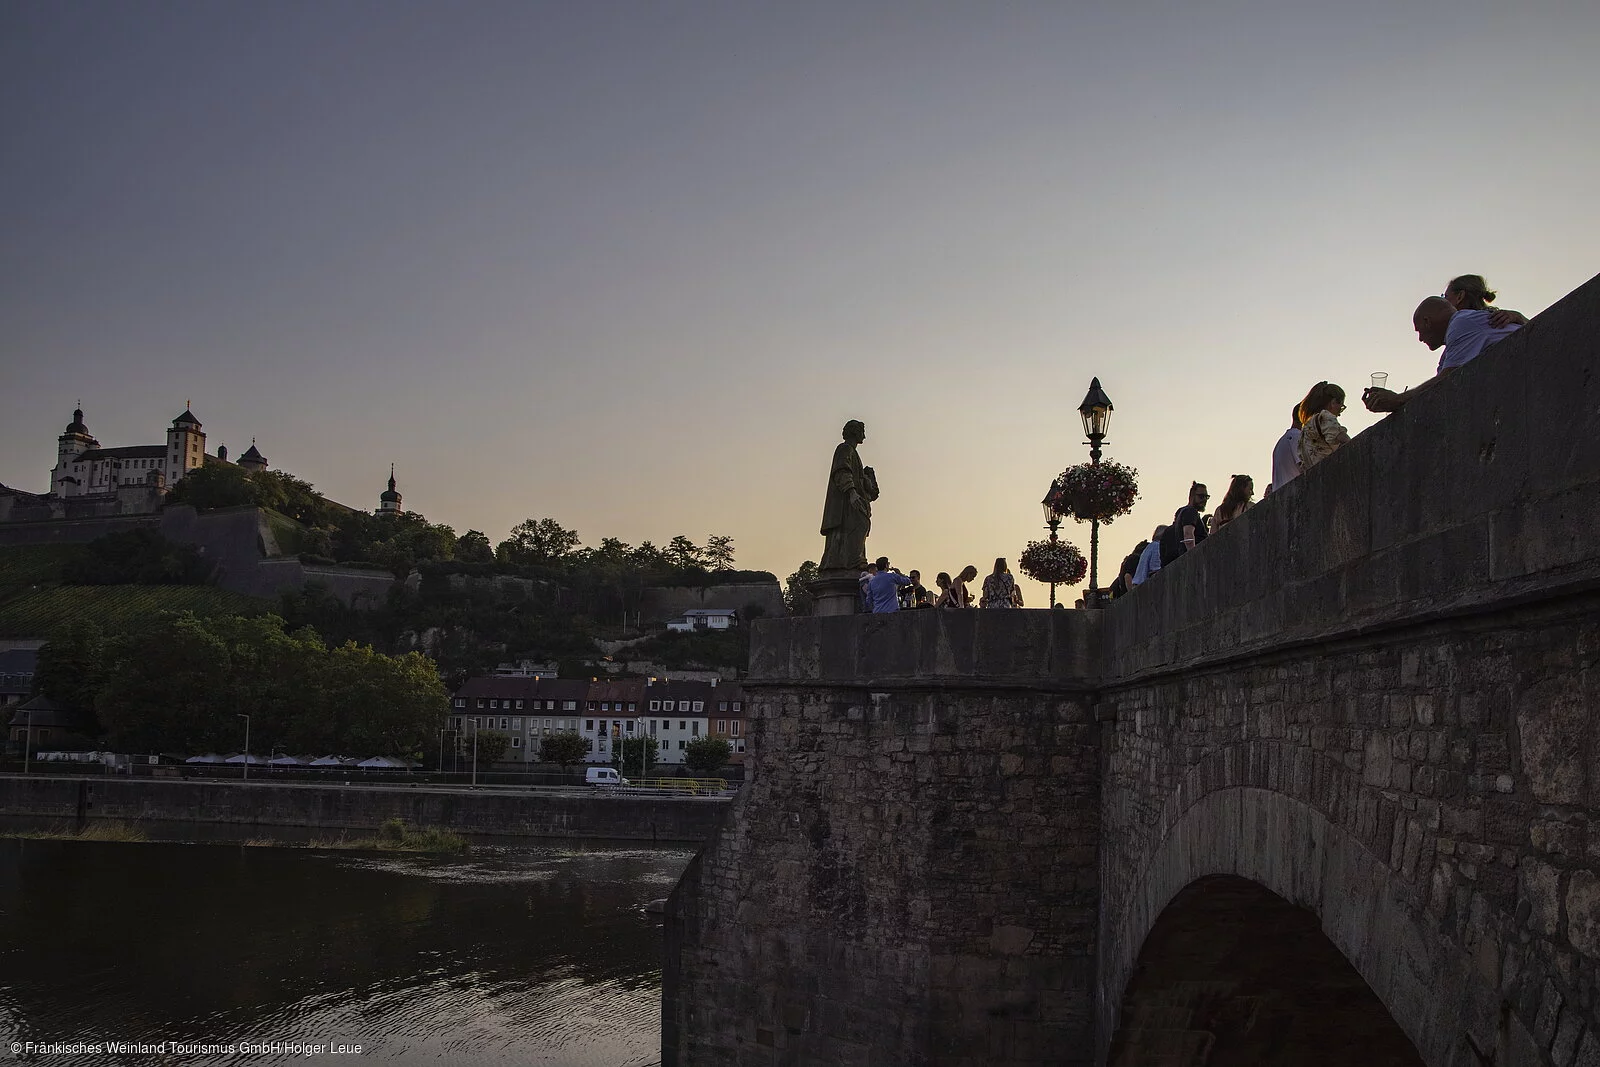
x: 1123, y: 585
x: 1188, y: 528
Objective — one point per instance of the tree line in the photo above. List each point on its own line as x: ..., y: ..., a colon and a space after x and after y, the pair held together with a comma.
x: 181, y: 683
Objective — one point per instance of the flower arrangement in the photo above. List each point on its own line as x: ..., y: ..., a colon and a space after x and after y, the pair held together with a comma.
x: 1053, y: 562
x: 1098, y: 491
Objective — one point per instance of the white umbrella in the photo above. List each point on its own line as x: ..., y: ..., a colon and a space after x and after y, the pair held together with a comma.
x: 287, y: 760
x: 243, y: 758
x: 209, y: 757
x: 328, y: 761
x: 382, y: 763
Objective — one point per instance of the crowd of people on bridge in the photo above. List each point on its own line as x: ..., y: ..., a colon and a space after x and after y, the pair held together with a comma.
x: 1462, y: 322
x: 885, y: 589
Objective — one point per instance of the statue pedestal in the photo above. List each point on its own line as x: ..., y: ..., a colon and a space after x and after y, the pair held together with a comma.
x: 838, y: 592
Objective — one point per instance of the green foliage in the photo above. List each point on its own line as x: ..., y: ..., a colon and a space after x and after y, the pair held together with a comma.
x: 474, y: 547
x: 215, y: 485
x: 537, y: 541
x: 707, y: 649
x: 707, y: 755
x: 797, y: 589
x: 684, y: 553
x: 719, y: 552
x: 66, y: 671
x: 626, y: 756
x: 564, y: 749
x: 179, y: 684
x: 492, y: 744
x: 116, y: 607
x: 138, y: 557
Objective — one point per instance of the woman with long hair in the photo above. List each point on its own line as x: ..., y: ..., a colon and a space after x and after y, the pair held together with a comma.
x: 1469, y: 292
x: 960, y: 596
x: 999, y: 588
x: 1320, y: 432
x: 1235, y: 503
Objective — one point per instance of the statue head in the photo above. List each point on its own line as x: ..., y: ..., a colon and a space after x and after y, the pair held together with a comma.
x: 855, y: 431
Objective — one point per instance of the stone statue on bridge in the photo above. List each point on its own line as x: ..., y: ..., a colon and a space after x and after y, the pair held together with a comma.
x: 847, y: 508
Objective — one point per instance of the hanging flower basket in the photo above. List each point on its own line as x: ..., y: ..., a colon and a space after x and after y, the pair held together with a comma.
x: 1098, y: 491
x: 1053, y: 562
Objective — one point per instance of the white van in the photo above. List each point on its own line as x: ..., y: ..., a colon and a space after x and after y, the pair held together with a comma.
x: 603, y: 776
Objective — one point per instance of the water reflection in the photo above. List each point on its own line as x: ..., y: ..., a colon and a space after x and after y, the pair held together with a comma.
x: 525, y: 954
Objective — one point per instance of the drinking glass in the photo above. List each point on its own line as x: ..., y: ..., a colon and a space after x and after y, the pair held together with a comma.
x: 1380, y: 380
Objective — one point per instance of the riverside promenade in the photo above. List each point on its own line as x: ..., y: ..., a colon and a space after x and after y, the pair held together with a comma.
x: 558, y: 812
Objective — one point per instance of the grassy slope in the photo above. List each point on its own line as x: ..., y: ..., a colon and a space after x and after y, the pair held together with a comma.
x: 33, y: 602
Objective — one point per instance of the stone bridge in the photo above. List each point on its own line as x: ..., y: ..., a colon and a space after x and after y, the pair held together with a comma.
x: 1325, y: 792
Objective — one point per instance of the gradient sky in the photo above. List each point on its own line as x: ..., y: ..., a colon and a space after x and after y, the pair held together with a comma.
x: 632, y: 265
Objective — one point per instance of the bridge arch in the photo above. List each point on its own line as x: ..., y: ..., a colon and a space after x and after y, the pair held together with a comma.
x: 1437, y: 991
x: 1233, y: 975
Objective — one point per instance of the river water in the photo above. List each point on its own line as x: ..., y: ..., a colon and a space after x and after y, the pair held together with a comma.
x: 525, y: 953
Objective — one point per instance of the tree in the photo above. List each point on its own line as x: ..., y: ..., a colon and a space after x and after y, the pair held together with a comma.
x: 72, y: 665
x: 492, y: 744
x: 138, y: 557
x: 682, y: 552
x: 707, y: 755
x: 719, y: 552
x: 797, y: 589
x: 537, y: 541
x: 564, y: 749
x: 474, y: 547
x: 627, y: 755
x: 215, y: 485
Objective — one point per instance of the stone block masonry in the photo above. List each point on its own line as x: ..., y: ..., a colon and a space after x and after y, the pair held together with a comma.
x: 1374, y: 700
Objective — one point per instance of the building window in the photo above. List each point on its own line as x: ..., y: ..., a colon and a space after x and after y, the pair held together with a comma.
x: 652, y: 727
x: 494, y: 703
x: 516, y: 742
x: 606, y: 706
x: 683, y: 705
x: 741, y: 746
x: 694, y: 727
x: 602, y: 744
x: 588, y: 725
x: 458, y: 722
x: 682, y: 725
x: 699, y: 706
x: 722, y: 705
x: 722, y: 726
x: 547, y: 724
x: 516, y: 722
x: 735, y: 727
x: 591, y: 706
x: 481, y: 702
x: 591, y: 744
x: 655, y: 705
x: 461, y: 702
x: 632, y: 707
x: 680, y: 746
x: 519, y: 705
x: 629, y: 726
x: 569, y: 705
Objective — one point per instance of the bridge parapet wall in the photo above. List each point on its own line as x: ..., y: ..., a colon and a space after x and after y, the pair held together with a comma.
x: 1378, y: 695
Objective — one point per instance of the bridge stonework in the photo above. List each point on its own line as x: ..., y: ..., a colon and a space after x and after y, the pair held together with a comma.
x: 1376, y: 695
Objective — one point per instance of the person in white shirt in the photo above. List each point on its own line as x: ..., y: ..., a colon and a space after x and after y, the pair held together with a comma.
x: 1462, y: 335
x: 1150, y: 559
x: 1286, y: 453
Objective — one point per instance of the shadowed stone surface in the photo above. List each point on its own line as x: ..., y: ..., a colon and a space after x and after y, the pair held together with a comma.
x: 1376, y: 695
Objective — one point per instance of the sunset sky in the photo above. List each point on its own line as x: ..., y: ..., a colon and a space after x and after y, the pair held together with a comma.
x: 632, y: 265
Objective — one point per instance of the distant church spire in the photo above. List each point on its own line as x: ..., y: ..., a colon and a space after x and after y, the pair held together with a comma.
x: 389, y: 499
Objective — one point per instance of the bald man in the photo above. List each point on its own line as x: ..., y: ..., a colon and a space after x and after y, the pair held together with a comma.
x: 1462, y: 335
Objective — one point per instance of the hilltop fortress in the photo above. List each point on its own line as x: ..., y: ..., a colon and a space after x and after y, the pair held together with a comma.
x: 90, y: 481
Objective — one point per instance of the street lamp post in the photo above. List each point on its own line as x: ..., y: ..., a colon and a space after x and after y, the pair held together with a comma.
x: 246, y: 718
x: 1096, y: 413
x: 1052, y: 522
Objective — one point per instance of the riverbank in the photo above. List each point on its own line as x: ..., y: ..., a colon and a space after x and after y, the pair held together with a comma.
x: 598, y: 817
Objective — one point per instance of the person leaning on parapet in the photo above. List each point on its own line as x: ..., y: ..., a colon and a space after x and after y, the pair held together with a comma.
x: 1321, y: 433
x: 1122, y: 585
x: 1463, y: 332
x: 1150, y: 558
x: 883, y: 588
x: 1188, y: 529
